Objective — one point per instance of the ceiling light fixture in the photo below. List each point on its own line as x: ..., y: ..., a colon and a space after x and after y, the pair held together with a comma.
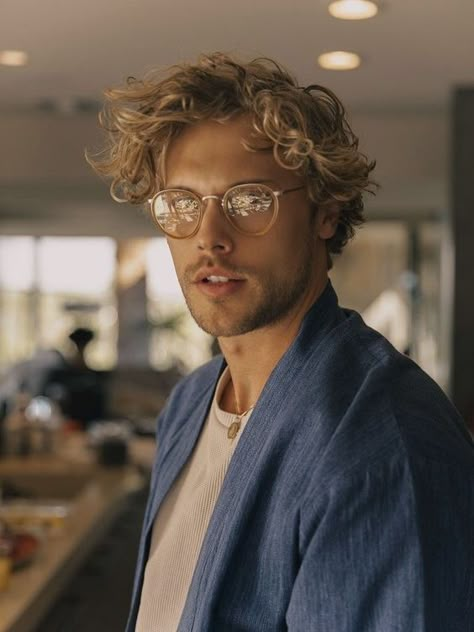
x: 13, y: 57
x: 339, y: 60
x: 353, y: 9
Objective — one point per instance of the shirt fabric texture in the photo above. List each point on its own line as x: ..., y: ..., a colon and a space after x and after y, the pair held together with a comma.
x: 348, y: 505
x: 181, y: 523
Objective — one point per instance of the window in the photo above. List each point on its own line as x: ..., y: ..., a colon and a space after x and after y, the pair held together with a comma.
x: 391, y: 273
x: 49, y: 286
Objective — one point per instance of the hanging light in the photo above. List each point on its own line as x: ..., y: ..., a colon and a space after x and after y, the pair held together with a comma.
x: 339, y: 60
x: 353, y: 9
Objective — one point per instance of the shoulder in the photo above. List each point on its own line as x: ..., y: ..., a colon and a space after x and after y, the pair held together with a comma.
x: 387, y: 432
x: 375, y: 404
x: 423, y: 414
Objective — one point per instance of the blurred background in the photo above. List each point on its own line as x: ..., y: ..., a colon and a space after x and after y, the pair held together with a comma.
x: 72, y: 259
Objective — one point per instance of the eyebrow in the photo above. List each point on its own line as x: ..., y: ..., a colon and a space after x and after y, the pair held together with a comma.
x: 235, y: 184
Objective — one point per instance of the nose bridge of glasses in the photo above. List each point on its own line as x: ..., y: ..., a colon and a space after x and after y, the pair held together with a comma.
x: 205, y: 207
x: 211, y: 220
x: 219, y: 198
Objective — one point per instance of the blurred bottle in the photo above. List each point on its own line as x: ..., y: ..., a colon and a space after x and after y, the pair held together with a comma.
x: 44, y: 421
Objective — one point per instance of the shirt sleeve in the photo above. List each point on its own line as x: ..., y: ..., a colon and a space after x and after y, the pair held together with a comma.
x: 384, y: 553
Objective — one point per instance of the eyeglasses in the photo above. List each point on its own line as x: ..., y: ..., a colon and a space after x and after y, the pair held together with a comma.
x: 251, y: 209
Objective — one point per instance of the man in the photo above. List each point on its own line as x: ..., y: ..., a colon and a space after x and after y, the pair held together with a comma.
x: 312, y: 478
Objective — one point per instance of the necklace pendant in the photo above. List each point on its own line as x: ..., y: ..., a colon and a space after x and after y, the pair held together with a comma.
x: 233, y: 429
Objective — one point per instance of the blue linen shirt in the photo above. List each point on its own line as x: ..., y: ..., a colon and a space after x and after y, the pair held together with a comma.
x: 348, y: 505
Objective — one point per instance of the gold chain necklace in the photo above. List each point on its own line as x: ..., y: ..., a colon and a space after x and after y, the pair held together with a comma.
x: 235, y: 425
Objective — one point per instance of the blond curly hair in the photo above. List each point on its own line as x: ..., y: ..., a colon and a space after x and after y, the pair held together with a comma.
x: 306, y: 126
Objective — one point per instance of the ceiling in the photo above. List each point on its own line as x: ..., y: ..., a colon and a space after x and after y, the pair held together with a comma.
x: 413, y: 52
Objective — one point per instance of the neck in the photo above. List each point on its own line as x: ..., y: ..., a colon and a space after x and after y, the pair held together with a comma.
x: 253, y: 356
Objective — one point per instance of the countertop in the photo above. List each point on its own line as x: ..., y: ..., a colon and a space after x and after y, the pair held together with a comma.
x: 34, y: 589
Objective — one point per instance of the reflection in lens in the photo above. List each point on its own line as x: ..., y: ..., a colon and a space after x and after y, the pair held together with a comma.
x: 177, y: 212
x: 250, y: 209
x: 186, y: 207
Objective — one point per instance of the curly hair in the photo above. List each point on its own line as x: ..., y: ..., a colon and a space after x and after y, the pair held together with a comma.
x: 307, y: 128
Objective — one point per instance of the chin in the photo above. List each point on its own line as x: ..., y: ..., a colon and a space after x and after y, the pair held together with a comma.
x: 216, y: 319
x: 220, y: 327
x: 229, y: 325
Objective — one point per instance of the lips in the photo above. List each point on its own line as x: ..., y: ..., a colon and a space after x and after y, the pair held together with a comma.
x: 215, y: 275
x: 218, y: 283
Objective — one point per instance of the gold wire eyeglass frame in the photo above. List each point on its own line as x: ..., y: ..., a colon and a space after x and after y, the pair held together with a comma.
x: 223, y: 203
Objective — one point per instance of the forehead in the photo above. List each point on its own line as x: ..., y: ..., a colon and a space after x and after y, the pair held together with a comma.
x: 213, y: 153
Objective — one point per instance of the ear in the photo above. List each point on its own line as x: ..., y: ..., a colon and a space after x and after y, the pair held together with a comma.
x: 327, y: 220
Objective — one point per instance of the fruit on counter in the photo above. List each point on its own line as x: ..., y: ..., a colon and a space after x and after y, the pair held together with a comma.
x: 24, y: 549
x: 17, y: 548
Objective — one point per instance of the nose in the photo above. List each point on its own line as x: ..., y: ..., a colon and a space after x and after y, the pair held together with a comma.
x: 215, y: 232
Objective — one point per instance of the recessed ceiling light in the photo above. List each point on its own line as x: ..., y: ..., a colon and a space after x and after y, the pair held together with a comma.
x: 13, y: 57
x: 339, y: 60
x: 353, y: 9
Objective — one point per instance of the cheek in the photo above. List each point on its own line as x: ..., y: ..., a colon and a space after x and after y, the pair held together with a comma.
x: 177, y: 255
x: 276, y: 255
x: 290, y: 237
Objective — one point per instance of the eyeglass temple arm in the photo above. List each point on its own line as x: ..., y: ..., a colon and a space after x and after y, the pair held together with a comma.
x: 278, y: 193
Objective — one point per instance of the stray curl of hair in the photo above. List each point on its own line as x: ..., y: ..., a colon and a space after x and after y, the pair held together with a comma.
x: 307, y: 128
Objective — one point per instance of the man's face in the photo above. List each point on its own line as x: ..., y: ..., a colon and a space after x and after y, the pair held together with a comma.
x: 270, y: 276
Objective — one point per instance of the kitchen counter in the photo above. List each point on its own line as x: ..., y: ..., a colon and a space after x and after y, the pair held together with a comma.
x: 93, y: 509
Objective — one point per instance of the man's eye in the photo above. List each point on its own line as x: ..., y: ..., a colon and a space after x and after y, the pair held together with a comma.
x: 186, y: 204
x: 250, y: 202
x: 187, y: 207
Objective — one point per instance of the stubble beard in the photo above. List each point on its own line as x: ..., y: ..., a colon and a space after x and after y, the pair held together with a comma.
x: 275, y: 300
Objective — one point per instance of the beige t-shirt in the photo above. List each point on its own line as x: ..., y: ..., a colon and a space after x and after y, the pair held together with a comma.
x: 181, y: 523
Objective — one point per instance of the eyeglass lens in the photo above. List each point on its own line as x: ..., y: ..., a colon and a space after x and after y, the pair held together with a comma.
x: 250, y: 209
